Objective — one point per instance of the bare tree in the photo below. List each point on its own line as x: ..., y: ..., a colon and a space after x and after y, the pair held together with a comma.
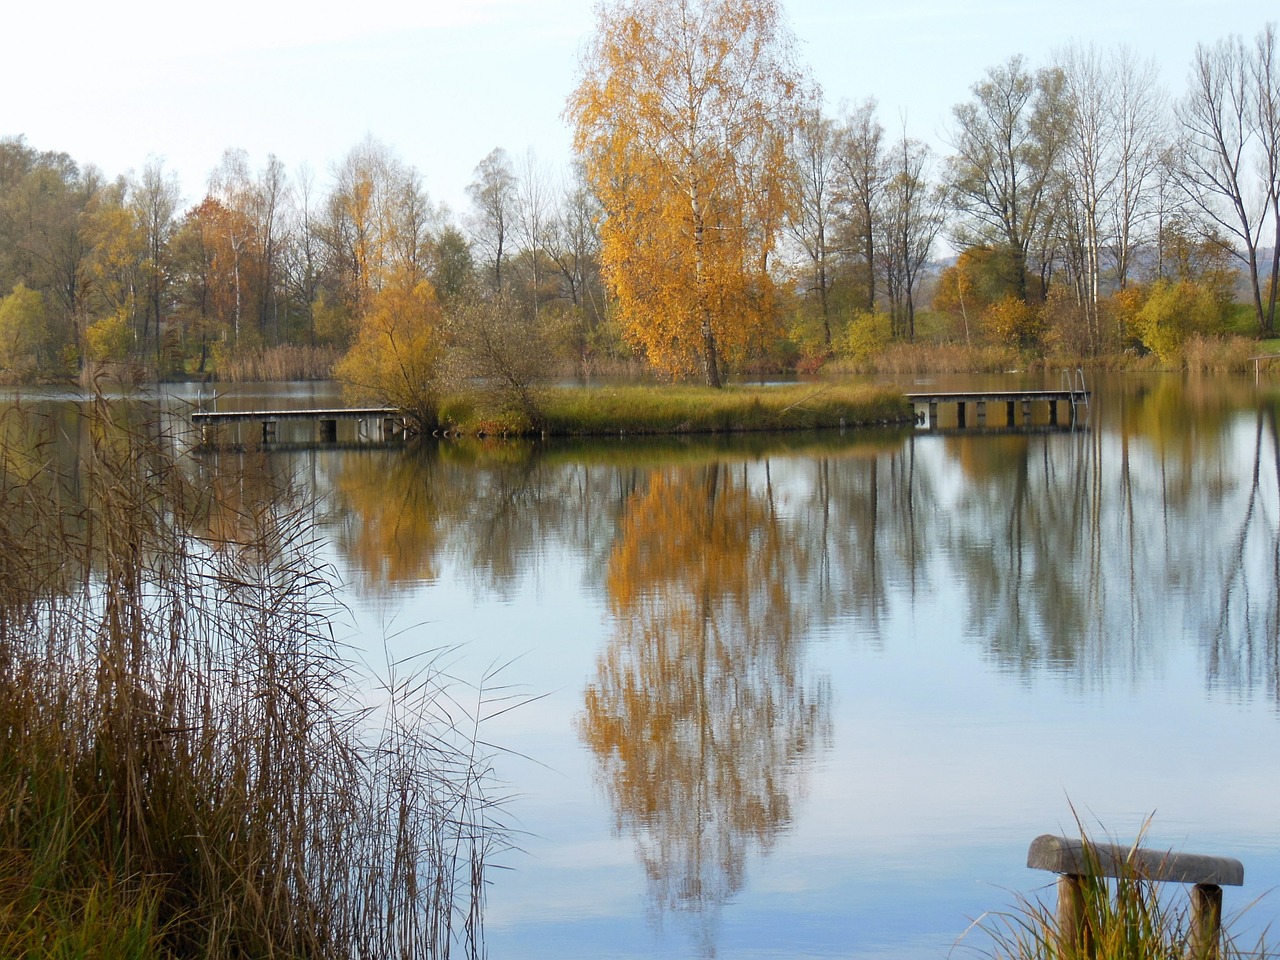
x: 814, y: 157
x: 860, y: 167
x: 493, y: 199
x: 1089, y: 159
x: 534, y: 214
x: 1004, y: 173
x: 912, y: 216
x: 1216, y: 118
x: 1266, y: 81
x: 1141, y: 141
x: 155, y: 204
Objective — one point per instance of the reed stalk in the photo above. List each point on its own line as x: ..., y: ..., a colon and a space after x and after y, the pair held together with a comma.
x: 187, y: 766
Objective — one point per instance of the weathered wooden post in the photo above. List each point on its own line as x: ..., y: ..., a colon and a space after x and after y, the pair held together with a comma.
x: 982, y: 412
x: 960, y: 418
x: 1076, y: 860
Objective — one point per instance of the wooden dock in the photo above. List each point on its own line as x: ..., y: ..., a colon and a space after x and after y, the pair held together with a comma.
x: 373, y: 424
x: 1017, y: 404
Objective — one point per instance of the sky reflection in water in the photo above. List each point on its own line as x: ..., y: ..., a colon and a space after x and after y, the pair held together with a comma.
x: 815, y: 698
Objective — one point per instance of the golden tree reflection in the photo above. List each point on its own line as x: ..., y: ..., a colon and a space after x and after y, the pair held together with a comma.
x: 700, y: 716
x: 388, y: 512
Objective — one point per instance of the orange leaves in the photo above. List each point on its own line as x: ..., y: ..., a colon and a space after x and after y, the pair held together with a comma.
x: 681, y: 117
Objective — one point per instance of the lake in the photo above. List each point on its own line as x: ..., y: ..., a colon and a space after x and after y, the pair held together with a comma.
x: 814, y: 695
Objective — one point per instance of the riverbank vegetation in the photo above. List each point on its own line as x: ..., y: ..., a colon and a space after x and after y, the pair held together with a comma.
x: 1083, y: 214
x: 189, y: 764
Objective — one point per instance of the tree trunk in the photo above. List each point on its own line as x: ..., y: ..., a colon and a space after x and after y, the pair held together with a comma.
x: 710, y: 355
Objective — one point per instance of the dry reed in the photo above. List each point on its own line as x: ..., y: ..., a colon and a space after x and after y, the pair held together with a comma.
x: 186, y: 767
x: 284, y: 362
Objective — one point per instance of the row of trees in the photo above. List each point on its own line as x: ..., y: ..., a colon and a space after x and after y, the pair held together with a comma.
x: 711, y: 155
x: 717, y: 216
x: 94, y: 269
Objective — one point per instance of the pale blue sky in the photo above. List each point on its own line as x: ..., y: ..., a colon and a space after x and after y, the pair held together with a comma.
x: 443, y: 83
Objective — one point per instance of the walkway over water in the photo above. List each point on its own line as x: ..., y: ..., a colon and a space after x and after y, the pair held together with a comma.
x: 1014, y: 401
x: 372, y: 423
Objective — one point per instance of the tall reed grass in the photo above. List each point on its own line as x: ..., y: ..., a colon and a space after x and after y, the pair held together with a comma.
x: 188, y: 764
x: 284, y: 362
x: 919, y: 357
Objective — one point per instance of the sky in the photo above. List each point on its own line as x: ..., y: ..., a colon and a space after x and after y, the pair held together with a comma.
x: 443, y: 82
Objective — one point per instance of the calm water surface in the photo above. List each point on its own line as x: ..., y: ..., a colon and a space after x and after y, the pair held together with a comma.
x: 814, y: 696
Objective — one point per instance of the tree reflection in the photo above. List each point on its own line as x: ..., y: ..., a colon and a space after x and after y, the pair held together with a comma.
x: 1243, y: 646
x: 388, y: 513
x: 700, y: 716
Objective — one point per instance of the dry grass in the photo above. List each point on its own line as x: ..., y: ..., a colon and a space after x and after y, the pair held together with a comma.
x: 185, y: 766
x: 1220, y: 354
x: 285, y: 362
x: 921, y: 357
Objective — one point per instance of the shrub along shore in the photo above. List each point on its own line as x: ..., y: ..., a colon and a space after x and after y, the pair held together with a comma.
x: 646, y: 410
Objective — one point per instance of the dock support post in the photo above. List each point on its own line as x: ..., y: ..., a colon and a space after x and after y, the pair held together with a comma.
x: 328, y: 431
x: 960, y: 418
x: 1026, y: 410
x: 1053, y: 412
x: 1206, y: 920
x: 268, y: 431
x: 933, y: 414
x: 1010, y: 419
x: 982, y: 413
x: 1074, y: 936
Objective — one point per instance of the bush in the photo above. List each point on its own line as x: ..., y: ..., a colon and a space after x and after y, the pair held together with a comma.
x: 866, y: 335
x: 397, y: 359
x: 1012, y: 322
x: 1174, y: 311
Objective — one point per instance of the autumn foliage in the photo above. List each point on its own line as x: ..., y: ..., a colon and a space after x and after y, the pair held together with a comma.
x: 396, y: 359
x: 682, y: 119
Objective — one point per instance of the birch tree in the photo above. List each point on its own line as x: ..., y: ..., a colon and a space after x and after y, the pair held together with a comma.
x: 682, y: 117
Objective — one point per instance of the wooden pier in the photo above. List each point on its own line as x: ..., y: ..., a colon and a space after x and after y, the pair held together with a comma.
x: 1017, y: 404
x: 373, y: 424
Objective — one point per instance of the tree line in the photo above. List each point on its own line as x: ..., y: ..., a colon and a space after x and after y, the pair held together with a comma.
x: 718, y: 217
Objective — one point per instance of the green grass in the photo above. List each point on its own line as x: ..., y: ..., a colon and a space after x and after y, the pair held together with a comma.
x: 649, y: 410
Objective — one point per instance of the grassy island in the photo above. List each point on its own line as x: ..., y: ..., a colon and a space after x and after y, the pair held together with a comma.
x: 646, y: 410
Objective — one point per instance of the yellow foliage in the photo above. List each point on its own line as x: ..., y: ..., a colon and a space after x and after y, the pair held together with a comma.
x: 866, y: 336
x: 109, y: 338
x: 1174, y: 311
x: 396, y: 359
x: 1011, y: 322
x: 23, y: 331
x: 682, y: 118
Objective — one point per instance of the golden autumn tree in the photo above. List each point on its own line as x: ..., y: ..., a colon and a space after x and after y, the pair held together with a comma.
x: 682, y: 118
x: 397, y: 357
